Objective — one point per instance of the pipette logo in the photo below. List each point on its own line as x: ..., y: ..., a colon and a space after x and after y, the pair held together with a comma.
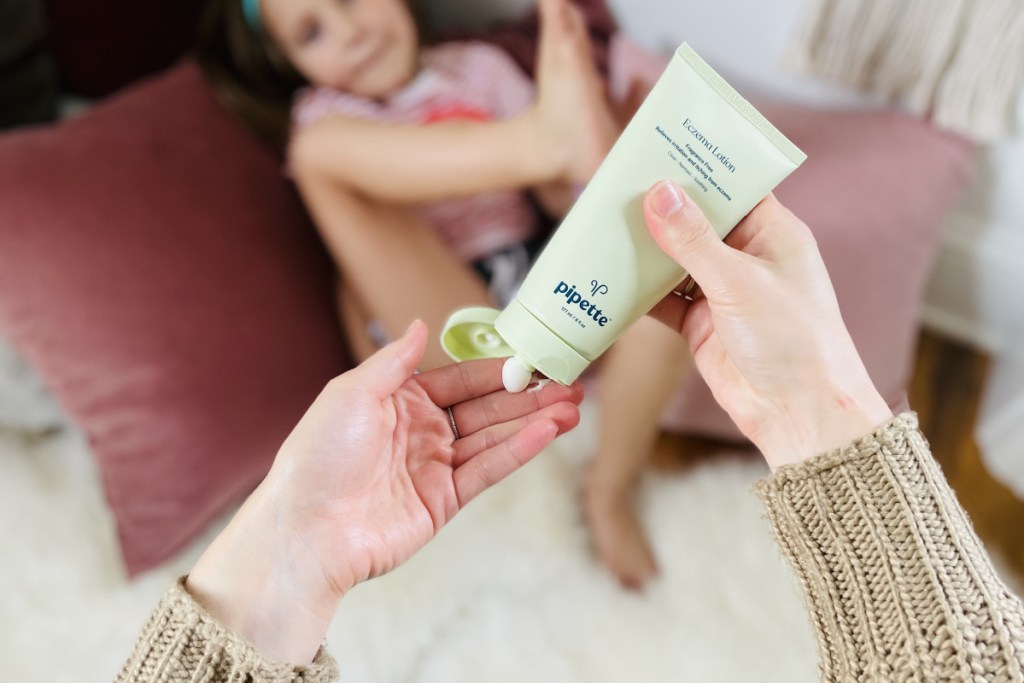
x: 574, y: 299
x: 597, y: 288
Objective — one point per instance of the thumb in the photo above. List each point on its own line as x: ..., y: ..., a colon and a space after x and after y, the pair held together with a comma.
x: 683, y: 232
x: 552, y: 13
x: 385, y: 371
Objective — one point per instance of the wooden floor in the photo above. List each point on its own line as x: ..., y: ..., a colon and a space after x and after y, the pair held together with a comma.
x: 945, y: 391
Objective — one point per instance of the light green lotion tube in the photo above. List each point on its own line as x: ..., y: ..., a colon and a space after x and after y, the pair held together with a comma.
x: 602, y: 270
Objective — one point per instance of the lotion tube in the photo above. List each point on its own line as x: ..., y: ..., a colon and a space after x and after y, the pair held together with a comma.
x: 602, y: 270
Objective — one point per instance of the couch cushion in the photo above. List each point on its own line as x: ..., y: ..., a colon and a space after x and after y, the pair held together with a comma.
x: 162, y: 277
x: 101, y: 47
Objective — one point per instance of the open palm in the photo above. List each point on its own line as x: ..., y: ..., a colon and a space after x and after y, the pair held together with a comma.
x: 375, y: 469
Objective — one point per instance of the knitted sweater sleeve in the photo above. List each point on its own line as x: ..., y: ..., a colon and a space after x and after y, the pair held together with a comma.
x: 897, y: 583
x: 181, y: 643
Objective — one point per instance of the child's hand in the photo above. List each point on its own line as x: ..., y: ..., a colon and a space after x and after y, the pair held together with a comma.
x: 574, y: 119
x: 625, y: 109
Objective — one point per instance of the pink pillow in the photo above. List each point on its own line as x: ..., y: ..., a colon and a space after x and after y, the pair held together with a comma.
x: 874, y: 190
x: 162, y: 277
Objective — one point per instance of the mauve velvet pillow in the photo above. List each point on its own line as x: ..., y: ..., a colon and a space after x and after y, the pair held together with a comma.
x: 162, y: 277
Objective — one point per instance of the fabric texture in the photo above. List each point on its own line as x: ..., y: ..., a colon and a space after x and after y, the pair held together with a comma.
x: 958, y: 62
x: 898, y: 585
x: 163, y: 280
x: 470, y: 81
x: 182, y: 643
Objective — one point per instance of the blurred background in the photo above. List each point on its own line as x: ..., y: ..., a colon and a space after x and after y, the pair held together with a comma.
x: 141, y: 397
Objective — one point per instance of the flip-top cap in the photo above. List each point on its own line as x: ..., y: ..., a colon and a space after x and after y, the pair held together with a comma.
x: 469, y: 334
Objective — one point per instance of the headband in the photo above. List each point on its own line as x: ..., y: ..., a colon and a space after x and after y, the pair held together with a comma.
x: 251, y: 10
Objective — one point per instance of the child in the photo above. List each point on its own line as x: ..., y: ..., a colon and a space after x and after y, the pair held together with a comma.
x: 413, y: 160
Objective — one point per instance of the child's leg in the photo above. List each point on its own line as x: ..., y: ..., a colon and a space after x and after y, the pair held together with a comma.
x: 638, y: 376
x: 355, y: 323
x: 395, y: 264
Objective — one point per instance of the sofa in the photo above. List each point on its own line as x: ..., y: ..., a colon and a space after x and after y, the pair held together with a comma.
x: 158, y: 272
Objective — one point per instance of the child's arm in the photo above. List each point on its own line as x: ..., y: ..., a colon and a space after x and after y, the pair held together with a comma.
x: 393, y: 262
x: 562, y: 137
x: 555, y: 198
x: 415, y: 163
x: 558, y: 197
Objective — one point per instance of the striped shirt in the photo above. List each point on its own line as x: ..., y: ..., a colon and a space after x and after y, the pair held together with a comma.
x: 458, y: 81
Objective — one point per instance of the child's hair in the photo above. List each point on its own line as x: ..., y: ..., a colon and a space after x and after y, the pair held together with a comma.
x: 250, y: 75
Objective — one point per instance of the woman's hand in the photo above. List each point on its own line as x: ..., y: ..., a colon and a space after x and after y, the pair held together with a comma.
x: 369, y: 475
x: 766, y: 332
x: 574, y: 119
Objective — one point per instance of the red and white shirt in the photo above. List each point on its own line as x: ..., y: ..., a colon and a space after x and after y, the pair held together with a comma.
x: 458, y: 81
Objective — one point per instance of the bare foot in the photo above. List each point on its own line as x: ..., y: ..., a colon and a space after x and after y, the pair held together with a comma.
x: 572, y: 104
x: 619, y: 540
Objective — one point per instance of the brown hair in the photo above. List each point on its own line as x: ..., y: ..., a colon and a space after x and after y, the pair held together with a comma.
x: 250, y: 75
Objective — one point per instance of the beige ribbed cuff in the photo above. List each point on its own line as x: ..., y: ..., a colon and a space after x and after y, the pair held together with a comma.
x: 181, y: 642
x: 897, y: 583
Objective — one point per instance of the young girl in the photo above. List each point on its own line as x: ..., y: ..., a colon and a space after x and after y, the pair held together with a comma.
x: 413, y: 161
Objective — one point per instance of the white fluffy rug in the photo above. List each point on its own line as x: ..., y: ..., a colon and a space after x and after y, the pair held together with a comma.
x: 507, y: 593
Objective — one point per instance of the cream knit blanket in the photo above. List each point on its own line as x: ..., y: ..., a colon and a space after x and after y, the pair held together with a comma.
x: 959, y: 62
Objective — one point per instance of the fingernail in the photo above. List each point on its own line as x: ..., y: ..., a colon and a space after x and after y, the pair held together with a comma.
x: 667, y: 199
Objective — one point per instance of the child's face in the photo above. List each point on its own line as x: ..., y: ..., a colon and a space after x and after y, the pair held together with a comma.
x: 364, y: 47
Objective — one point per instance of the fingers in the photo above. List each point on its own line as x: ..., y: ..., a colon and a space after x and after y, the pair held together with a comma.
x: 698, y: 325
x: 494, y: 409
x: 459, y: 383
x: 683, y: 232
x: 556, y: 14
x: 628, y: 106
x: 552, y: 17
x: 496, y: 463
x: 452, y: 384
x: 562, y: 22
x: 769, y: 231
x: 385, y: 371
x: 670, y: 311
x: 564, y: 414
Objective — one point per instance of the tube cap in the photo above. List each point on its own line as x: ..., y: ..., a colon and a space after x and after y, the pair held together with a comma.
x: 535, y: 343
x: 469, y: 334
x: 474, y: 333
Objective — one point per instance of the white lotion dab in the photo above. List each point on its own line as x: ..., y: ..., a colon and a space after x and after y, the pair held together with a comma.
x: 539, y: 386
x: 516, y: 375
